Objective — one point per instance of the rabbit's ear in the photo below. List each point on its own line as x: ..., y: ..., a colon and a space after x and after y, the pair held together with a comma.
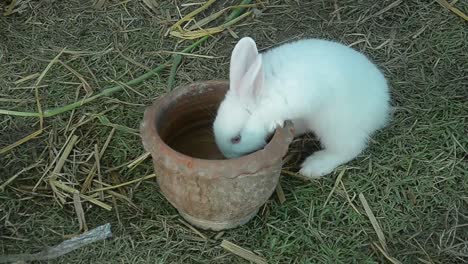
x: 246, y: 71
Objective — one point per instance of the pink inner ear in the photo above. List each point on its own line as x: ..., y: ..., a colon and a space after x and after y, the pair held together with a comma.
x: 243, y: 56
x: 252, y: 82
x: 259, y: 79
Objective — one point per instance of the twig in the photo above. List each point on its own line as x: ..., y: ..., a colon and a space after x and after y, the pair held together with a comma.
x: 11, y: 179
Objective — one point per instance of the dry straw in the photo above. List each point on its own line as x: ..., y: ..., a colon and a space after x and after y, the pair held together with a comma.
x: 93, y: 189
x: 235, y: 16
x: 242, y: 252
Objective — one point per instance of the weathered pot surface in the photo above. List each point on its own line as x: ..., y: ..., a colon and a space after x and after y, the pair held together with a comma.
x: 209, y: 191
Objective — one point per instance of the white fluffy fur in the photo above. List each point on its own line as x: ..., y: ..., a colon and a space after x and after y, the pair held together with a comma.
x: 323, y: 86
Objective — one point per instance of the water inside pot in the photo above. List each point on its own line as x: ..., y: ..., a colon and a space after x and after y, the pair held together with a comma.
x: 186, y: 125
x: 198, y: 142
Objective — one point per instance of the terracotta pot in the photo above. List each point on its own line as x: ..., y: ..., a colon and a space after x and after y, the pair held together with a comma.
x: 209, y: 191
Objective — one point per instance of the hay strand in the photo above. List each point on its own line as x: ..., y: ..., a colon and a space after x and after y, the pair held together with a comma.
x: 242, y: 252
x: 209, y: 31
x: 12, y: 178
x: 97, y: 158
x: 337, y: 182
x: 79, y: 212
x: 125, y: 183
x: 138, y: 160
x: 452, y: 8
x: 21, y: 141
x: 89, y: 177
x: 390, y: 258
x: 192, y: 14
x: 90, y: 199
x: 58, y: 167
x: 200, y: 234
x: 373, y: 220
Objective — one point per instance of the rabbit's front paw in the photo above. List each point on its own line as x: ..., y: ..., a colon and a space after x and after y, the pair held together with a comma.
x: 319, y: 164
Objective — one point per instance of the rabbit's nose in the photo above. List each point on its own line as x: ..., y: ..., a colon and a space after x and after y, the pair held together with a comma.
x: 236, y: 139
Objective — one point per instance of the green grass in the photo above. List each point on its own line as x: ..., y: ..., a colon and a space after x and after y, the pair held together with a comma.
x: 414, y: 176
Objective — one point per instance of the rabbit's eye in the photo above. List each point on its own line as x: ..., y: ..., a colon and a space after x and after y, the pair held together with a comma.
x: 236, y: 139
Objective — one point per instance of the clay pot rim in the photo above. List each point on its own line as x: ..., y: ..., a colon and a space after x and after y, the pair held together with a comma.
x: 280, y: 141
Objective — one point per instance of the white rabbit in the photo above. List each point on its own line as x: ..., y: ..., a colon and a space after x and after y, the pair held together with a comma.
x: 322, y: 86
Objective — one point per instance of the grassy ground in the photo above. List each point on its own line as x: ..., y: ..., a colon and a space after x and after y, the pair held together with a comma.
x: 414, y: 176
